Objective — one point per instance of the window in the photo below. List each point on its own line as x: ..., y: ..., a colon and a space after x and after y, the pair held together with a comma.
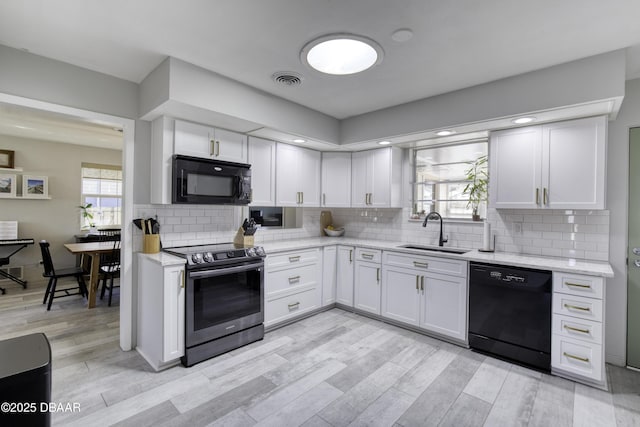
x: 441, y: 177
x: 102, y: 187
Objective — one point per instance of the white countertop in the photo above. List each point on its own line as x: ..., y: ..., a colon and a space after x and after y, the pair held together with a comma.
x: 594, y: 268
x: 163, y: 258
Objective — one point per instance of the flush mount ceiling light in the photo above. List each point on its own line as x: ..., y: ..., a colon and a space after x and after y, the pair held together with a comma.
x: 445, y: 132
x: 299, y: 140
x: 384, y: 142
x: 523, y: 120
x: 341, y: 54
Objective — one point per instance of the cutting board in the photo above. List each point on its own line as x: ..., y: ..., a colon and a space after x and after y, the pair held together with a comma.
x: 325, y: 219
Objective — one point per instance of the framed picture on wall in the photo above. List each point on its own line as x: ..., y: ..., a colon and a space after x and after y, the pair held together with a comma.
x: 6, y: 159
x: 35, y: 186
x: 7, y: 185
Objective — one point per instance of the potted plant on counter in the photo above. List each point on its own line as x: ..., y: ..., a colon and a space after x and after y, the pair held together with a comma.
x: 476, y: 188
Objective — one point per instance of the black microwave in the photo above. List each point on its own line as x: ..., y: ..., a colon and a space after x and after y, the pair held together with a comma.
x: 210, y: 182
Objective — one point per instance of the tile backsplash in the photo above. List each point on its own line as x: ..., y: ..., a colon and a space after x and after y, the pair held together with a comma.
x: 580, y: 234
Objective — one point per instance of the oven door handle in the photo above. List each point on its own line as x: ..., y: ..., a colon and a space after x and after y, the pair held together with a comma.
x: 224, y: 270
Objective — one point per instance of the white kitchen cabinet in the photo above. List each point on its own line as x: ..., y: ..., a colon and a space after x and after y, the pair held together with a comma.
x: 161, y: 317
x: 161, y: 167
x: 336, y: 180
x: 262, y: 158
x: 367, y: 290
x: 555, y: 166
x: 297, y: 176
x: 197, y: 140
x: 329, y: 258
x: 345, y: 275
x: 427, y: 292
x: 376, y: 178
x: 577, y: 324
x: 292, y: 285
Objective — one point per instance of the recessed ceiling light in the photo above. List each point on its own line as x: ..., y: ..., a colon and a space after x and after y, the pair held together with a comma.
x: 445, y: 132
x: 341, y: 54
x: 384, y: 142
x: 299, y: 140
x: 402, y: 35
x: 523, y: 120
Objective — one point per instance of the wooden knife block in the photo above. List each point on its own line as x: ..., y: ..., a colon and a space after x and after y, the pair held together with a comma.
x: 243, y: 240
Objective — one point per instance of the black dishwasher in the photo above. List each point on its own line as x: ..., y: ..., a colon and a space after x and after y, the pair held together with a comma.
x: 510, y: 313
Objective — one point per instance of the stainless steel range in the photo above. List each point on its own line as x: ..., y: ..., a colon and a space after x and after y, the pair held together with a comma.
x: 224, y: 298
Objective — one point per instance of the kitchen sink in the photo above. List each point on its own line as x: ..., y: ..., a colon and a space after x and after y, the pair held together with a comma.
x: 436, y: 249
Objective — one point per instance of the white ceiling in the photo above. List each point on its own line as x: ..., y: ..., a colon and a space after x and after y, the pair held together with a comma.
x: 456, y: 44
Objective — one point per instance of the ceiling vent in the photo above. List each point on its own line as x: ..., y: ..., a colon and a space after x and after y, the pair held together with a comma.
x: 287, y: 78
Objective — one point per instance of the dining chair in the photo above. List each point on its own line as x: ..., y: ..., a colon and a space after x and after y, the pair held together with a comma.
x: 110, y: 269
x: 109, y: 234
x: 54, y: 275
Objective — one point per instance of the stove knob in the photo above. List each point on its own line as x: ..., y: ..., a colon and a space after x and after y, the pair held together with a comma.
x: 251, y: 252
x: 208, y: 257
x: 260, y: 251
x: 196, y: 258
x: 230, y: 254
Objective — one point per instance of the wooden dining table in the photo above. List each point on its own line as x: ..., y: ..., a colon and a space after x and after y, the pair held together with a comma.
x: 93, y: 250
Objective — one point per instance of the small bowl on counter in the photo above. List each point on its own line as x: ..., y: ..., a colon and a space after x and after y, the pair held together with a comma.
x: 336, y: 232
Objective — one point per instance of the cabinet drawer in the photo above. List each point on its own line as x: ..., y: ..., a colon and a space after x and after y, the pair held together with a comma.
x: 293, y: 258
x: 373, y: 255
x: 570, y: 327
x: 291, y: 278
x: 423, y: 263
x: 578, y: 284
x: 577, y: 357
x: 280, y: 309
x: 575, y: 306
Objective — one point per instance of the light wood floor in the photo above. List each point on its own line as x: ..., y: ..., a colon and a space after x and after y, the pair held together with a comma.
x: 333, y: 369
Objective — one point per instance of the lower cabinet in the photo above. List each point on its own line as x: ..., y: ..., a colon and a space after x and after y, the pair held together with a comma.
x: 344, y: 275
x: 577, y: 324
x: 293, y: 285
x: 161, y: 302
x: 329, y: 275
x: 367, y: 280
x: 414, y: 295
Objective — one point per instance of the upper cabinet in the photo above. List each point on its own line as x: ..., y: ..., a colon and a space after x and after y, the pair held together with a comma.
x: 262, y: 158
x: 297, y: 176
x: 377, y: 178
x: 336, y: 180
x: 554, y: 166
x: 196, y: 140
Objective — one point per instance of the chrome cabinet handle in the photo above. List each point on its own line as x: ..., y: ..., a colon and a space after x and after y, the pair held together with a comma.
x: 367, y: 256
x: 545, y: 197
x: 302, y: 197
x: 294, y: 279
x: 366, y: 198
x: 212, y: 147
x: 422, y: 284
x: 378, y: 274
x: 576, y: 307
x: 417, y: 283
x: 324, y: 199
x: 350, y: 255
x: 294, y: 258
x: 421, y: 264
x: 582, y: 359
x: 537, y: 196
x: 582, y: 331
x: 577, y: 285
x: 218, y: 144
x: 293, y: 305
x: 182, y: 279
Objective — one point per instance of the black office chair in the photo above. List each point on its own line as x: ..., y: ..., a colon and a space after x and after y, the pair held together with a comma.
x: 110, y: 269
x: 54, y: 275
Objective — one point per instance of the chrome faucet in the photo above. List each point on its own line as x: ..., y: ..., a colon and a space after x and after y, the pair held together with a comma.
x: 436, y: 215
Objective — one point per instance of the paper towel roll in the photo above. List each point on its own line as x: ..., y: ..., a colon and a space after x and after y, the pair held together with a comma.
x: 486, y: 241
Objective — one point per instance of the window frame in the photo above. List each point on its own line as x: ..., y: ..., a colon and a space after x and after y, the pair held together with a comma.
x: 84, y: 223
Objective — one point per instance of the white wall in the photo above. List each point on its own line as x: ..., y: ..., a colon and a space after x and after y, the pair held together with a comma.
x: 56, y: 220
x: 617, y: 202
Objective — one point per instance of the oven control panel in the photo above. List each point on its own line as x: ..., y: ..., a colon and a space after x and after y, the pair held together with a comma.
x: 212, y: 257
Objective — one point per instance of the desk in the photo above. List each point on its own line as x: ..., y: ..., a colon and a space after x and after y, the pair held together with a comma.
x: 93, y: 250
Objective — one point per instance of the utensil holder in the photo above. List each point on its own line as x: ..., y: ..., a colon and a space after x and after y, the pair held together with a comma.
x: 243, y: 240
x: 150, y: 243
